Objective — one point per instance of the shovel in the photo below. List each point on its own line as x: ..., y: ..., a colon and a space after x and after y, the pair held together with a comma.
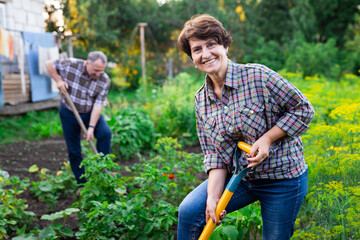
x: 78, y: 118
x: 227, y: 194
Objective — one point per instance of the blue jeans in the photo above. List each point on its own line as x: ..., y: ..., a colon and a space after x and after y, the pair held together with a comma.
x: 72, y: 135
x: 280, y: 203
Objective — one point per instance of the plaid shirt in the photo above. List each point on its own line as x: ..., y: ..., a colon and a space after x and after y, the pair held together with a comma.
x: 83, y: 91
x: 254, y: 99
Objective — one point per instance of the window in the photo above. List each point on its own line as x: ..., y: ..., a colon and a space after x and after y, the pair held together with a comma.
x: 2, y: 15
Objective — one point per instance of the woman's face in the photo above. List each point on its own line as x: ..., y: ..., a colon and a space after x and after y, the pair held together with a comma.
x: 209, y: 56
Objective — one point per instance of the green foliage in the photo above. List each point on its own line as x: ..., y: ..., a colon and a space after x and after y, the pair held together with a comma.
x: 267, y: 53
x: 242, y: 224
x: 52, y: 185
x: 329, y: 27
x: 352, y: 50
x: 139, y: 202
x: 133, y: 131
x: 54, y: 230
x: 331, y: 152
x: 13, y: 214
x: 312, y: 59
x: 32, y: 125
x: 172, y: 107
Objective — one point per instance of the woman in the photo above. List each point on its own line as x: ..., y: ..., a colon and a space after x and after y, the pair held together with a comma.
x: 252, y: 103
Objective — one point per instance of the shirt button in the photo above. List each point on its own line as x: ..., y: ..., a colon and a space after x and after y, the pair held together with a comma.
x: 230, y: 129
x: 226, y: 108
x: 252, y: 111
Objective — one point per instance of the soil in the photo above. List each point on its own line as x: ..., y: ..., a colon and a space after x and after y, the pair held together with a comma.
x: 16, y: 158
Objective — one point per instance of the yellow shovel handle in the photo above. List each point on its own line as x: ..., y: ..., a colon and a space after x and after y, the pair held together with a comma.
x: 244, y: 146
x: 210, y: 225
x: 223, y: 202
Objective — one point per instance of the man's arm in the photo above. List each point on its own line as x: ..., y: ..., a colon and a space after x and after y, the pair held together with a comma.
x: 94, y: 118
x: 61, y: 84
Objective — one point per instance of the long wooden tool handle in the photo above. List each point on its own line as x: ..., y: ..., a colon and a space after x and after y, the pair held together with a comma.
x: 78, y: 118
x: 225, y: 198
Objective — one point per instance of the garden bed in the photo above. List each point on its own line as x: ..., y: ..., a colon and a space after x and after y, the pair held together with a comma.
x: 17, y: 158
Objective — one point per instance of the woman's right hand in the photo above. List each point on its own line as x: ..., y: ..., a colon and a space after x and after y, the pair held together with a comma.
x: 215, y: 188
x: 210, y: 211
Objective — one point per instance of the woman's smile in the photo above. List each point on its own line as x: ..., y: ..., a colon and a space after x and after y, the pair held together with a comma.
x: 208, y: 55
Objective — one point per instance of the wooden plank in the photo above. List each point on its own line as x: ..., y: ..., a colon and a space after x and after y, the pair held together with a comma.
x: 8, y: 110
x: 13, y: 91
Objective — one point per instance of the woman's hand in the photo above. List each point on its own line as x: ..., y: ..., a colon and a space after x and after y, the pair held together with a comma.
x: 210, y: 211
x: 215, y: 188
x: 260, y: 149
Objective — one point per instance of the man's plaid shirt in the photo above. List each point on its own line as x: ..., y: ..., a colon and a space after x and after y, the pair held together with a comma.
x: 83, y: 91
x: 254, y: 99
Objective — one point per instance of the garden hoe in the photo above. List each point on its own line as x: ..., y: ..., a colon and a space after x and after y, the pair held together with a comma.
x: 78, y: 118
x: 229, y: 191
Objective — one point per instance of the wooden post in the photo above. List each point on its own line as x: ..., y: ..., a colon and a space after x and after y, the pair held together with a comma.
x: 70, y: 47
x: 170, y: 66
x: 142, y: 44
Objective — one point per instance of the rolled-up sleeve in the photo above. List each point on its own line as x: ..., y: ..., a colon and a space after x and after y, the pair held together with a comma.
x: 101, y: 98
x: 297, y: 109
x: 212, y: 159
x: 61, y: 66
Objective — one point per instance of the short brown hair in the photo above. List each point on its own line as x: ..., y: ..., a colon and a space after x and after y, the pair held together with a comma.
x: 203, y: 26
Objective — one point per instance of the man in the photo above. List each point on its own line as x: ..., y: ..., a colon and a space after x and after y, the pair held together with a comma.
x: 87, y: 85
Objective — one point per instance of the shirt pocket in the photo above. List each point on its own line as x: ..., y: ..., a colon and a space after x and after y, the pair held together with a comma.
x: 212, y: 131
x: 253, y: 121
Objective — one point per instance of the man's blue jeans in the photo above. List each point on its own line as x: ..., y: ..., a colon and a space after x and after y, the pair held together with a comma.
x: 72, y: 135
x: 280, y: 203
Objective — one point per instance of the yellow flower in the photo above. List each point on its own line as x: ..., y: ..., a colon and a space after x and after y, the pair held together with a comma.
x: 240, y: 11
x: 58, y: 173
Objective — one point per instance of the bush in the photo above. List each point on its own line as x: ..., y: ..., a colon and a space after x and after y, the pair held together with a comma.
x: 312, y: 59
x: 267, y: 53
x: 172, y: 107
x: 133, y: 131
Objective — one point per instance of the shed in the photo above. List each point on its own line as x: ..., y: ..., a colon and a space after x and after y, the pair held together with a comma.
x: 22, y: 33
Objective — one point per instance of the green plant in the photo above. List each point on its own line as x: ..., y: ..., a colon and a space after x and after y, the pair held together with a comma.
x: 172, y: 107
x: 143, y: 203
x: 55, y: 230
x: 242, y: 224
x: 52, y: 185
x: 133, y: 131
x: 13, y: 214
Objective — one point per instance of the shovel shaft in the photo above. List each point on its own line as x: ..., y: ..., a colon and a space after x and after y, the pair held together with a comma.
x: 225, y: 197
x: 210, y: 225
x: 78, y: 118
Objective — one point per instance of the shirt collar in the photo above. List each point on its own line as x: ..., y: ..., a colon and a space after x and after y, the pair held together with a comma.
x: 232, y: 79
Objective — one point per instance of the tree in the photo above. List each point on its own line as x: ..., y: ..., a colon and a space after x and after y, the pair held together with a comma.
x: 54, y: 11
